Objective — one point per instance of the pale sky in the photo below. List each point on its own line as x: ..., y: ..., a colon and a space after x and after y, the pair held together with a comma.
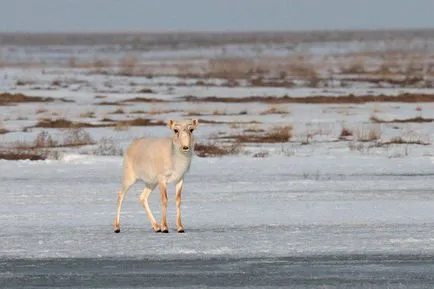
x: 210, y: 15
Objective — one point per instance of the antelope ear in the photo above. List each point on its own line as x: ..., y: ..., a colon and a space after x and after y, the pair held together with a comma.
x: 195, y: 123
x: 171, y: 123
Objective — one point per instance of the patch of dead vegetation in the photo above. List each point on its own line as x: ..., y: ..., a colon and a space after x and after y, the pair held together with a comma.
x: 157, y: 111
x: 32, y: 155
x: 145, y: 90
x: 44, y: 146
x: 87, y: 114
x: 367, y: 133
x: 231, y: 123
x: 401, y: 140
x: 3, y: 130
x: 351, y: 98
x: 417, y: 119
x: 105, y: 122
x: 215, y: 150
x: 7, y: 98
x: 63, y: 123
x: 141, y: 122
x: 119, y: 110
x: 108, y: 147
x: 131, y: 100
x: 345, y: 133
x: 277, y: 134
x: 137, y: 111
x: 72, y: 138
x: 273, y: 109
x: 143, y: 99
x: 109, y: 103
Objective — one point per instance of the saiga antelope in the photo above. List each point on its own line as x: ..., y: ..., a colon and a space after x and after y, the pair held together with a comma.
x: 158, y: 161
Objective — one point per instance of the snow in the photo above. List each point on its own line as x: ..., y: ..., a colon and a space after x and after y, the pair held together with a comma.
x: 319, y: 198
x: 232, y: 206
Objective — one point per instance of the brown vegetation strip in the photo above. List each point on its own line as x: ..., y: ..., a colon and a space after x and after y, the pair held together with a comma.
x: 207, y: 121
x: 9, y: 98
x: 143, y: 99
x: 134, y: 100
x: 63, y: 123
x: 406, y: 97
x: 413, y: 119
x: 3, y: 130
x: 140, y: 122
x: 275, y: 135
x: 22, y: 155
x: 214, y: 150
x: 400, y: 140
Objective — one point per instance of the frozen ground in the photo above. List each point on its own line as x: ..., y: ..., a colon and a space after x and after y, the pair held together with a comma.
x: 312, y: 221
x: 318, y: 211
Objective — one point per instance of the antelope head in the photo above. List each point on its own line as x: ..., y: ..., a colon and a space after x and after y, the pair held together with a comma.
x: 183, y: 138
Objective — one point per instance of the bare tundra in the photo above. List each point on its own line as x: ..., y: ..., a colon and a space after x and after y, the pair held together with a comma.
x: 158, y: 161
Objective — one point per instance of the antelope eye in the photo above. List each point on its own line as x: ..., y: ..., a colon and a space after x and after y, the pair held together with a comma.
x: 175, y: 130
x: 191, y: 129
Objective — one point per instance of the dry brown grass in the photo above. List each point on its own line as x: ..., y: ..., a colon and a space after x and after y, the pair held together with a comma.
x: 417, y: 119
x: 401, y: 140
x: 345, y: 133
x: 157, y: 111
x: 63, y: 123
x: 115, y: 103
x: 145, y: 90
x: 71, y: 138
x: 10, y: 98
x: 277, y: 134
x: 108, y: 147
x: 22, y: 82
x: 214, y: 150
x: 33, y: 155
x: 141, y: 122
x: 137, y: 111
x: 87, y: 114
x: 3, y: 130
x: 44, y: 146
x: 119, y: 110
x: 142, y: 99
x: 273, y: 109
x: 406, y: 97
x: 367, y: 133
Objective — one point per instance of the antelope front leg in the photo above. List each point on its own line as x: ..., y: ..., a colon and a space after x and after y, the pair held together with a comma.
x: 178, y: 188
x: 163, y: 191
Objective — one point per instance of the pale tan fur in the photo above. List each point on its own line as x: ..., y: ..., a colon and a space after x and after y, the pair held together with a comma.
x: 158, y: 161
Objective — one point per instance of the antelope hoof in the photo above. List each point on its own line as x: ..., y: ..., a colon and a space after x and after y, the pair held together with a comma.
x: 181, y: 230
x: 156, y: 228
x: 117, y: 229
x: 164, y: 229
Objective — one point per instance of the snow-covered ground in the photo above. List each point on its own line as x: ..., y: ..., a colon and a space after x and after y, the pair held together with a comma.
x: 317, y: 194
x: 232, y: 206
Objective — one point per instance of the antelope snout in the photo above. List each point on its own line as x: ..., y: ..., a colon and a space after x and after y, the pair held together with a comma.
x: 185, y: 148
